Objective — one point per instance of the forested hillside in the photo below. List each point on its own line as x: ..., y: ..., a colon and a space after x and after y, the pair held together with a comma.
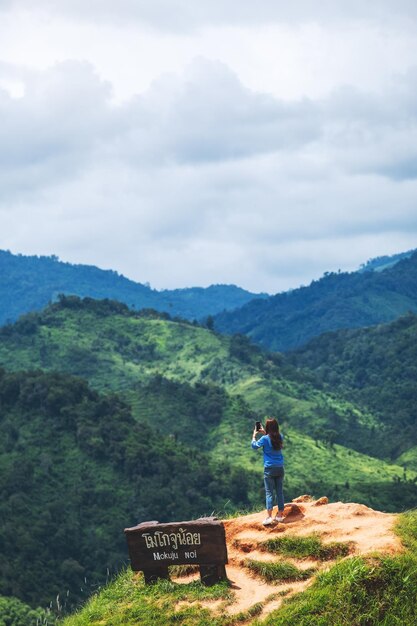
x: 377, y: 368
x: 116, y: 349
x: 76, y: 469
x: 338, y: 300
x: 169, y: 440
x: 29, y: 283
x: 152, y: 361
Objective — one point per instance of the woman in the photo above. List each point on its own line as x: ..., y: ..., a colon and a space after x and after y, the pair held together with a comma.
x: 271, y: 442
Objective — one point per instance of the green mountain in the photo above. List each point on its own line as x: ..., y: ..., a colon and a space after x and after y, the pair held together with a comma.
x: 162, y: 431
x: 338, y: 300
x: 377, y: 369
x: 29, y: 283
x: 153, y: 361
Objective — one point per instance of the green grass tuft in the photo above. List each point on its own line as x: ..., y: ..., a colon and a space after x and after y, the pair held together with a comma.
x: 278, y: 571
x: 406, y: 528
x: 304, y: 547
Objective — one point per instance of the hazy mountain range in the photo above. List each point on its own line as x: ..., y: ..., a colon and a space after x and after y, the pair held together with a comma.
x: 29, y: 283
x: 338, y: 300
x: 379, y: 291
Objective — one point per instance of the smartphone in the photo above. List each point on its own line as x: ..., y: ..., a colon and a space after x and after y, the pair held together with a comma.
x: 258, y: 425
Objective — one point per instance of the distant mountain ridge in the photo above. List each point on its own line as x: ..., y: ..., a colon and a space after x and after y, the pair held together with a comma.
x: 338, y: 300
x: 29, y: 283
x: 380, y: 263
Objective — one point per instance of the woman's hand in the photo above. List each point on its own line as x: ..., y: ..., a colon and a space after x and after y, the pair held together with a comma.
x: 255, y: 432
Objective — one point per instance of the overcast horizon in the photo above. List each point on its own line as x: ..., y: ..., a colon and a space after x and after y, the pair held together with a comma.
x: 193, y: 144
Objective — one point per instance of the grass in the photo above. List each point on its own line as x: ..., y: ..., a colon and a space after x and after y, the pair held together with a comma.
x: 278, y: 571
x: 409, y: 459
x: 364, y: 592
x: 361, y: 591
x: 406, y: 528
x: 243, y: 616
x: 127, y: 601
x: 304, y: 547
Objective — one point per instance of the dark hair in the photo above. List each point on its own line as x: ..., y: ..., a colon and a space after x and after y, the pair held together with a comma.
x: 272, y: 429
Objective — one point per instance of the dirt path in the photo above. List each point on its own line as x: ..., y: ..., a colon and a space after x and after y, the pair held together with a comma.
x: 363, y: 528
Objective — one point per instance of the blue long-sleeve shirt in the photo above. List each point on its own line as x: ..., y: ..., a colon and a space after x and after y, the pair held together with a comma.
x: 272, y: 458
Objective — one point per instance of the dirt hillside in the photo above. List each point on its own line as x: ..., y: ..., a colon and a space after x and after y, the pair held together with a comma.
x: 361, y: 528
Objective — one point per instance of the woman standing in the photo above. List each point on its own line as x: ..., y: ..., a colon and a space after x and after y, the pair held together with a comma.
x: 271, y: 442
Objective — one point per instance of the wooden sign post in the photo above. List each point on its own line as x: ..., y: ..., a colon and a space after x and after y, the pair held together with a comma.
x: 154, y: 546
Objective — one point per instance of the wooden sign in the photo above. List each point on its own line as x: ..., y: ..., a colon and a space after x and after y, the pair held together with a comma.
x: 153, y: 547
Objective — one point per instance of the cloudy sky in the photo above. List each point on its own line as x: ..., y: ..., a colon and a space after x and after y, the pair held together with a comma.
x: 188, y: 143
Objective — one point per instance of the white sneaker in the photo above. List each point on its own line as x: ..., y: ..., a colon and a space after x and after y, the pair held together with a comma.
x: 268, y: 521
x: 279, y: 518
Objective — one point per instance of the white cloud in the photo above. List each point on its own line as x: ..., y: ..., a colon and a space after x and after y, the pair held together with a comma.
x: 218, y: 168
x: 369, y: 133
x: 210, y: 116
x: 48, y: 134
x: 309, y: 55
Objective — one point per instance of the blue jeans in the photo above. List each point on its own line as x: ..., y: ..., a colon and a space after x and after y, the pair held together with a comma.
x: 273, y: 479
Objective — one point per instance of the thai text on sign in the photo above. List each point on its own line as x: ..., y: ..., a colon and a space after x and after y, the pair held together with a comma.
x: 158, y: 539
x: 201, y: 542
